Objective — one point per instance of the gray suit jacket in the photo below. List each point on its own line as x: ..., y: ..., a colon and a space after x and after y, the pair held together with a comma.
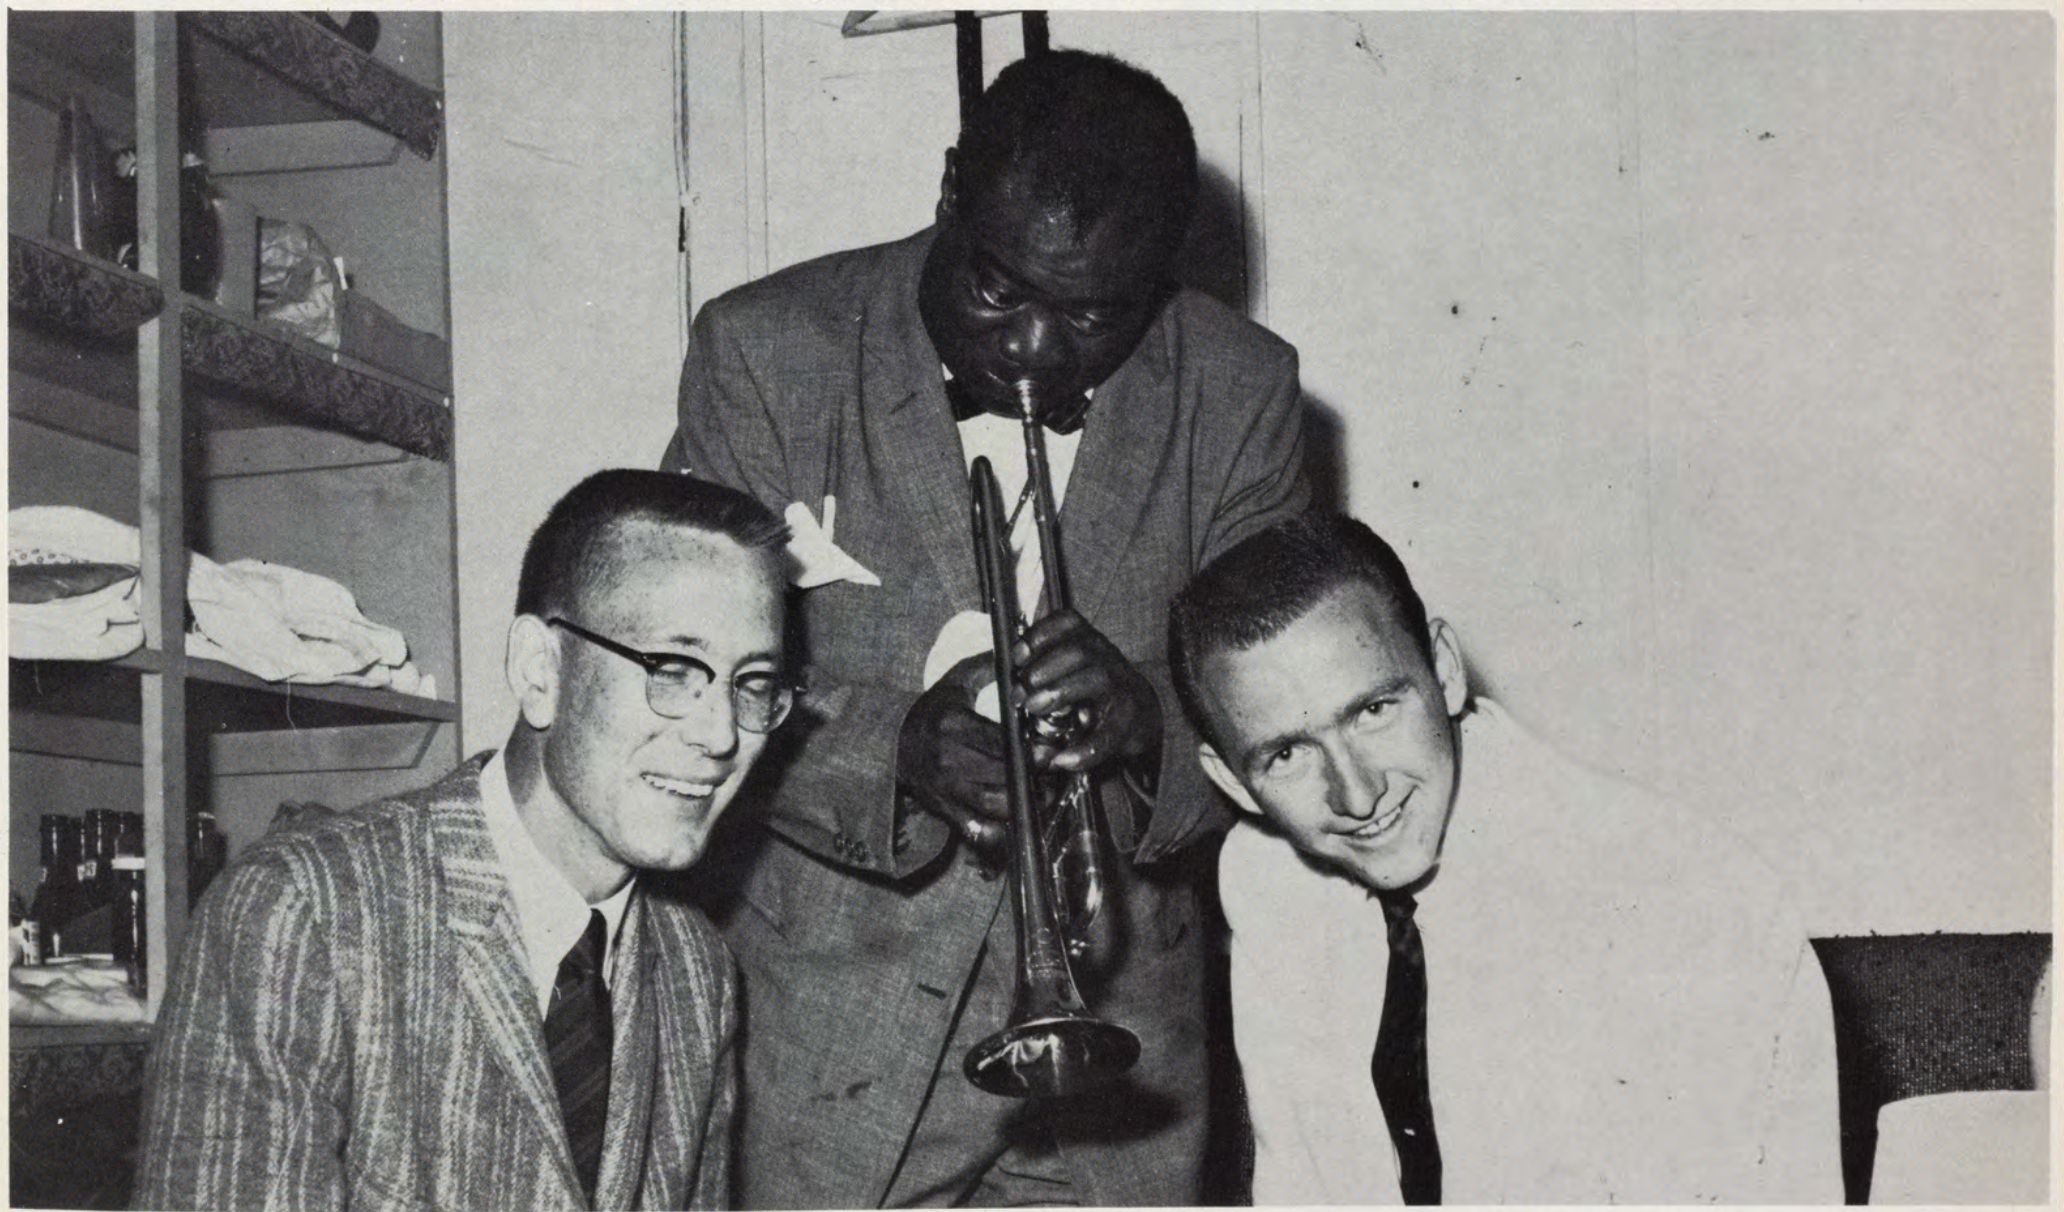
x: 859, y: 924
x: 352, y: 1025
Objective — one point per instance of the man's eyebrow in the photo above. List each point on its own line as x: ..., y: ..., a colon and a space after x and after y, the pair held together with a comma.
x: 988, y: 264
x: 1269, y: 744
x: 1396, y: 685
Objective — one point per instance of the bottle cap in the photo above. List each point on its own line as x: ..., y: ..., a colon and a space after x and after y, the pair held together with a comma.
x: 128, y: 862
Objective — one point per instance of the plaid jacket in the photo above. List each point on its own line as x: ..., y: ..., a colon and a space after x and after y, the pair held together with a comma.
x: 351, y: 1025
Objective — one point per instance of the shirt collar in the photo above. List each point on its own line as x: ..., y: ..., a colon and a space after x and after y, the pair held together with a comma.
x: 551, y: 914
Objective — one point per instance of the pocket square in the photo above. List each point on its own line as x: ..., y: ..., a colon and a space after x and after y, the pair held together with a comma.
x: 813, y: 558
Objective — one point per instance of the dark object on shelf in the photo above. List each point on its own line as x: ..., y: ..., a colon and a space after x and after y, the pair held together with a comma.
x: 372, y: 334
x: 91, y: 931
x: 361, y: 30
x: 32, y: 583
x: 206, y: 853
x: 57, y: 899
x: 307, y: 55
x: 82, y: 195
x: 200, y: 228
x: 129, y: 922
x: 62, y: 290
x: 1923, y: 1014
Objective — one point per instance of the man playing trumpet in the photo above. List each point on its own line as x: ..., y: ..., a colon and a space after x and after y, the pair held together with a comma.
x: 855, y: 391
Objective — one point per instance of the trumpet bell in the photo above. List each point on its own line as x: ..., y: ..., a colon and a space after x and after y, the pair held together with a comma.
x: 1052, y: 1056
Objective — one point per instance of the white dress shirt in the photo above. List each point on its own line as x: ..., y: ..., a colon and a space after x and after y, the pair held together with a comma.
x: 1002, y: 441
x: 1621, y: 1006
x: 551, y: 914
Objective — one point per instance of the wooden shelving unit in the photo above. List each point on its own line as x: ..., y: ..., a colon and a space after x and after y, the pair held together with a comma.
x: 223, y: 434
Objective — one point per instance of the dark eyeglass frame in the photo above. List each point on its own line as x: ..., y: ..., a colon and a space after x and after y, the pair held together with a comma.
x: 656, y: 664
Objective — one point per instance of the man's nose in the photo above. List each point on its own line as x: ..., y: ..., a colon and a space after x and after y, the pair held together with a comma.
x: 1356, y: 789
x: 1034, y: 342
x: 711, y: 723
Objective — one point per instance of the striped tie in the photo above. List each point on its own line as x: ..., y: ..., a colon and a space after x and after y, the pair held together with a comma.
x: 1399, y: 1065
x: 577, y: 1038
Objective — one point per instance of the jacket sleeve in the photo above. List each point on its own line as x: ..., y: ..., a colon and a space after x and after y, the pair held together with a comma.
x: 837, y: 797
x: 245, y: 1087
x: 1265, y: 482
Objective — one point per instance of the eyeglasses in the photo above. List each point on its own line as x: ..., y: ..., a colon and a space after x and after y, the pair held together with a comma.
x: 674, y: 683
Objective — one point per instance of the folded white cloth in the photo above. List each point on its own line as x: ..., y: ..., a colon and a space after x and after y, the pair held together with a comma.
x: 66, y: 534
x: 813, y: 558
x: 98, y: 626
x: 280, y: 623
x: 283, y: 624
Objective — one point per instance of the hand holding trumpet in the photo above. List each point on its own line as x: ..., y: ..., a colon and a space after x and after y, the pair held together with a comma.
x: 951, y: 759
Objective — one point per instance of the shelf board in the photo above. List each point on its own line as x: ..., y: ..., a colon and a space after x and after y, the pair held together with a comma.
x: 220, y: 699
x: 299, y: 751
x: 76, y: 319
x: 265, y: 363
x: 67, y: 291
x: 243, y: 702
x: 295, y: 70
x: 77, y: 1035
x: 107, y: 691
x: 251, y: 69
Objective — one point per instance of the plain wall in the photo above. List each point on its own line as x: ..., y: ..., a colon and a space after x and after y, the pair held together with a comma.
x: 566, y: 287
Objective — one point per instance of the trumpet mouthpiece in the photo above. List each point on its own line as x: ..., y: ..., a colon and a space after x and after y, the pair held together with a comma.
x: 1026, y: 408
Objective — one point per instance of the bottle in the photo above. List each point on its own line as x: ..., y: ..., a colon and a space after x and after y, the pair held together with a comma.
x: 57, y: 896
x: 96, y: 852
x: 206, y: 852
x: 83, y: 190
x: 131, y: 949
x: 26, y: 936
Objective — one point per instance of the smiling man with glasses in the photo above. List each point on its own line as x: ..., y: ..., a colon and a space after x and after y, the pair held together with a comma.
x: 465, y: 997
x: 673, y: 683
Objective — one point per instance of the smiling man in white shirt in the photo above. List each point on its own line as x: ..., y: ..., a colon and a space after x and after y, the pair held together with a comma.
x: 1614, y: 1002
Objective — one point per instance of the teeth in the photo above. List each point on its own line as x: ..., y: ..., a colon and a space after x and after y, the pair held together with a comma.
x: 681, y: 787
x: 1380, y: 824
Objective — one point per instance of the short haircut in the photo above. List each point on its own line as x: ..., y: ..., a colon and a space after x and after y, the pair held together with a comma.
x: 569, y: 552
x: 1093, y: 135
x: 1257, y: 588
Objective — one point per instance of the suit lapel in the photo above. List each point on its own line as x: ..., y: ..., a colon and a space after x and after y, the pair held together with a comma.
x: 911, y: 439
x: 633, y: 1065
x: 491, y: 971
x: 1131, y: 423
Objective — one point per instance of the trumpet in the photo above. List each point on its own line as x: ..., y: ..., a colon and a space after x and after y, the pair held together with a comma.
x: 1051, y: 1046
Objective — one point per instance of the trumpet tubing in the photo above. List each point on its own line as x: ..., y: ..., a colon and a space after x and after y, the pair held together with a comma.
x: 1052, y: 1046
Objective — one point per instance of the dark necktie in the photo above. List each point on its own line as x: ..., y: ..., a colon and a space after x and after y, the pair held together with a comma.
x: 578, y: 1034
x: 1063, y: 417
x: 1399, y: 1065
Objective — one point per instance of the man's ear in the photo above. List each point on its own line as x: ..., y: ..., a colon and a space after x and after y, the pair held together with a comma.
x: 1221, y: 775
x: 531, y: 663
x: 949, y: 189
x: 1448, y: 669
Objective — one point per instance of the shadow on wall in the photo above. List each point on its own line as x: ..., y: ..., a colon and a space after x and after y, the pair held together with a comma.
x: 1326, y: 463
x: 1214, y: 257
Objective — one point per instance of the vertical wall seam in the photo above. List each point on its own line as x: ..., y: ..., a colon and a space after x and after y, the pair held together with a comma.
x: 1652, y: 613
